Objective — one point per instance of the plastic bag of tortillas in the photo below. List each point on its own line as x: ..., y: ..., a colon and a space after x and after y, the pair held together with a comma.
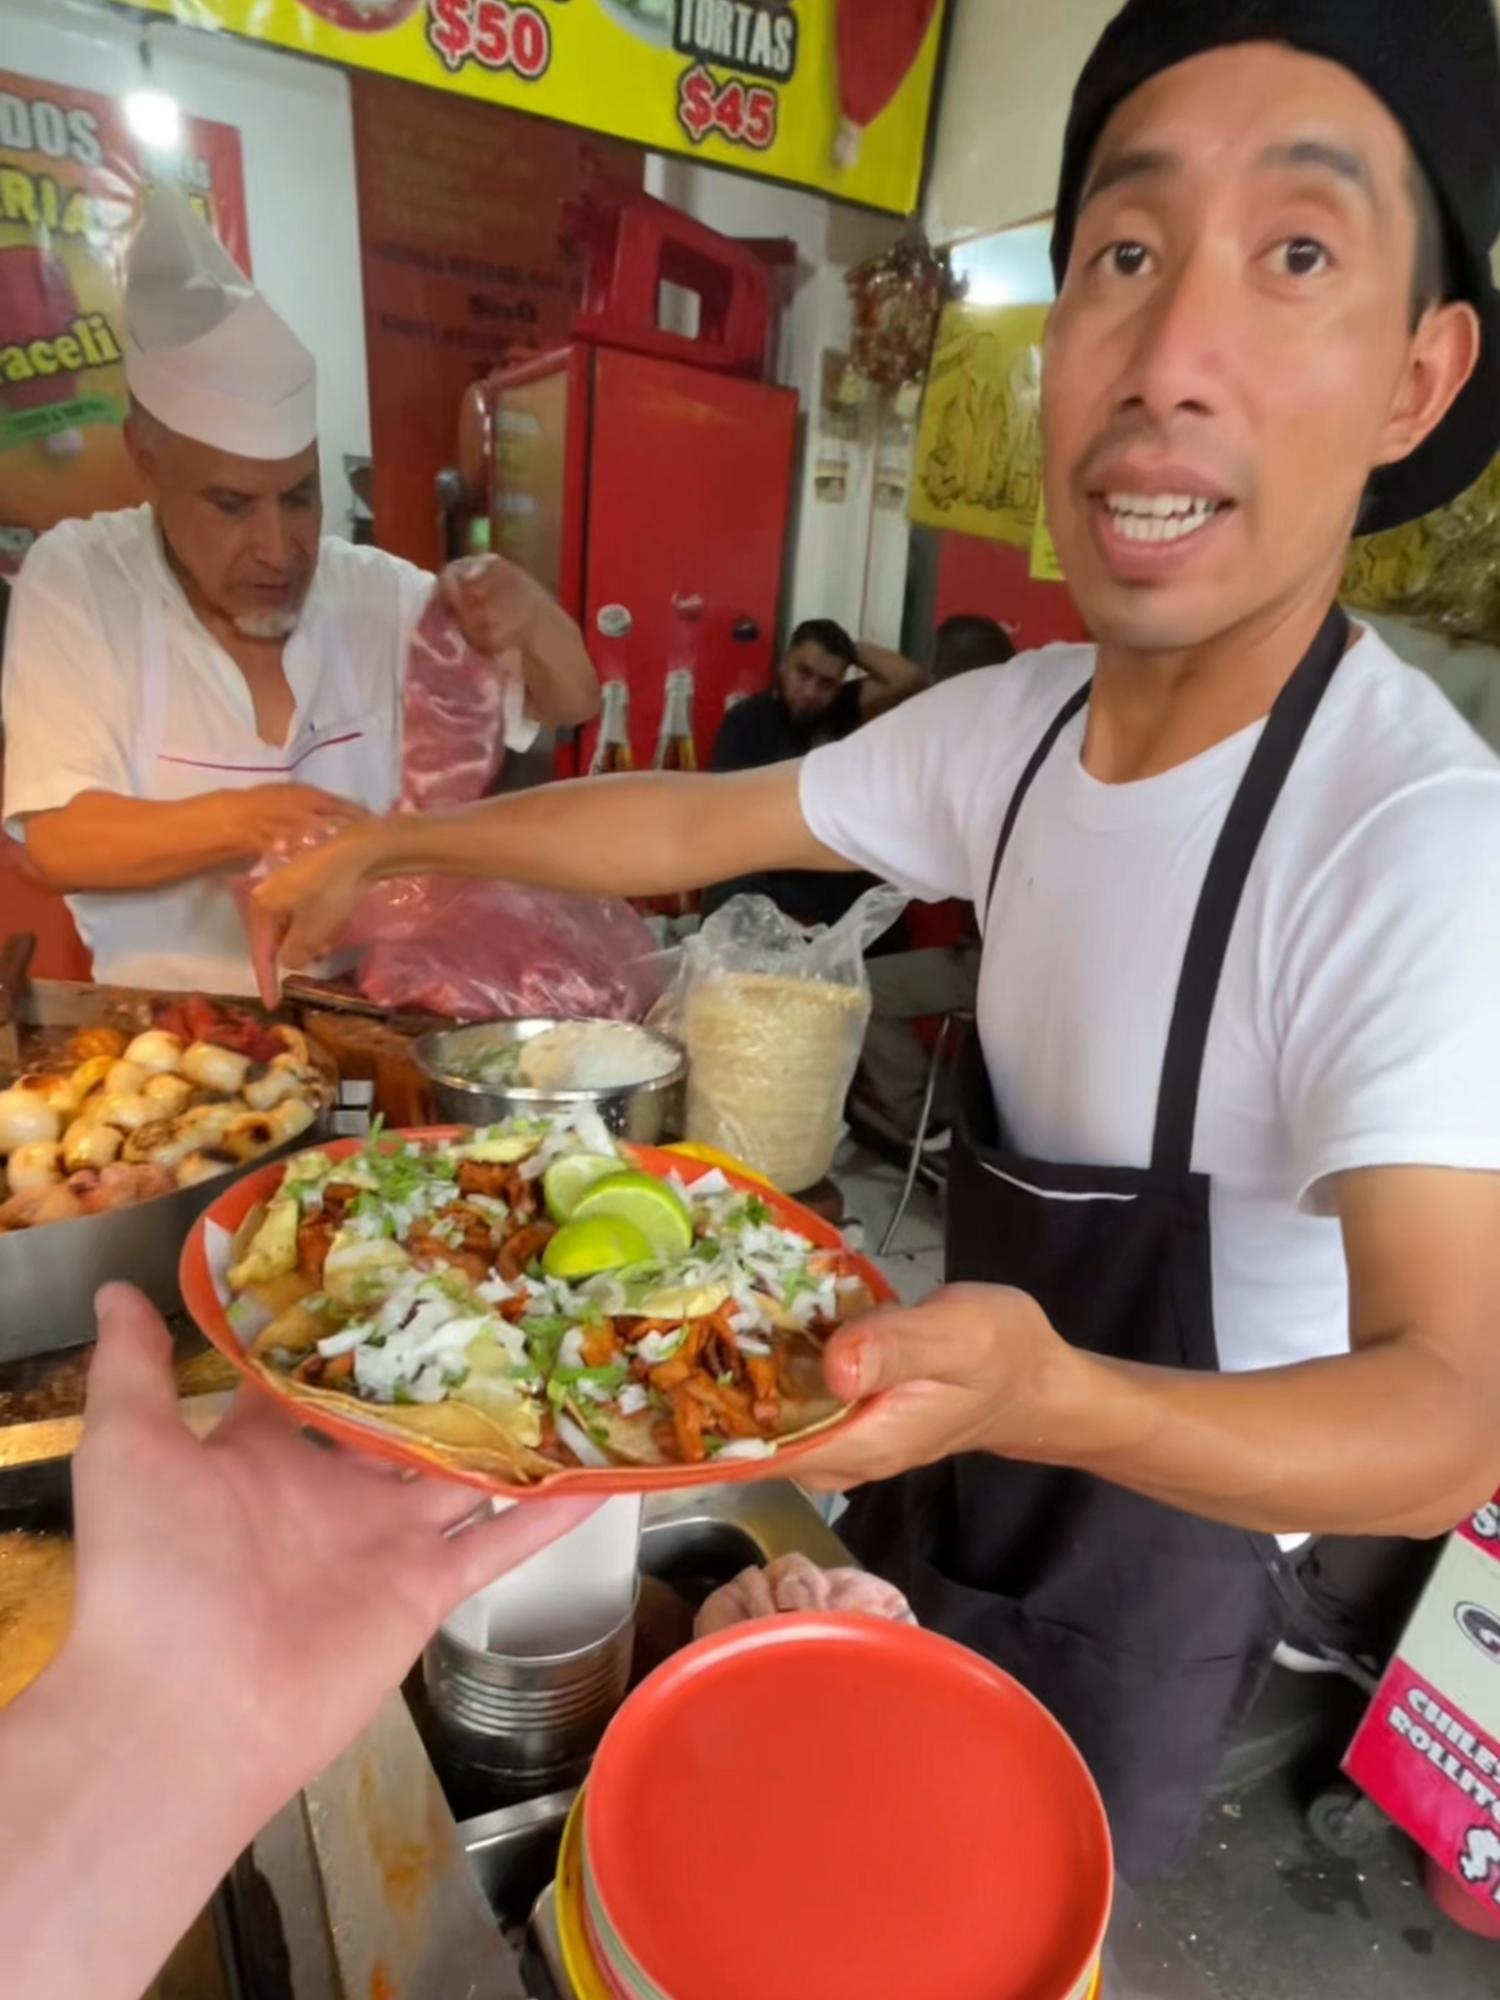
x: 773, y: 1018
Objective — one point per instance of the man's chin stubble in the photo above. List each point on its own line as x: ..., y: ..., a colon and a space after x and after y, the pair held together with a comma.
x: 273, y: 625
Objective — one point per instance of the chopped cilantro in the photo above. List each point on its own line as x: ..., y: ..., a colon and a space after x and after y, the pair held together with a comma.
x: 371, y: 1207
x: 544, y: 1338
x: 401, y: 1394
x: 609, y: 1375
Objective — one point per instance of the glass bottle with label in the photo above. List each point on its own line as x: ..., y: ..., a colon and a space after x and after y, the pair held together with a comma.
x: 675, y: 747
x: 677, y: 751
x: 612, y: 752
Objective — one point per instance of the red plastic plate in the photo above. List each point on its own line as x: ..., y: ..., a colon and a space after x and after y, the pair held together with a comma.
x: 839, y: 1807
x: 200, y: 1295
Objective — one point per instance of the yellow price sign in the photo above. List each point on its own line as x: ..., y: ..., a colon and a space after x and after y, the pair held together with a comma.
x: 829, y: 94
x: 1045, y: 566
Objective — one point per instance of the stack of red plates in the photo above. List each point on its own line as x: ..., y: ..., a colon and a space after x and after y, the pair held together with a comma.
x: 835, y: 1808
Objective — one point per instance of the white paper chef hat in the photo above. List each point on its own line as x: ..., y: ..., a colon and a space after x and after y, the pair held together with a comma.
x: 204, y: 353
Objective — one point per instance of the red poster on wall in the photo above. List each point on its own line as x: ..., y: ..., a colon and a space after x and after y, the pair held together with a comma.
x: 465, y: 270
x: 70, y: 178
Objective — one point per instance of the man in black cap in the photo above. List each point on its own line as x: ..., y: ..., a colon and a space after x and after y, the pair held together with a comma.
x: 1224, y: 1207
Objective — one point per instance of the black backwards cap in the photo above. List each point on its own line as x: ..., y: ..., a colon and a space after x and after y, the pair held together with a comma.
x: 1435, y: 65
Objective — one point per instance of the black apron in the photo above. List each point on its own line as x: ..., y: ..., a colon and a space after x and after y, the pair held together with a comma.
x: 1146, y: 1630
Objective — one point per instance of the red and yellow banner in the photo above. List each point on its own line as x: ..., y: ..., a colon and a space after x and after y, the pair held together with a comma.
x: 70, y: 178
x: 829, y: 94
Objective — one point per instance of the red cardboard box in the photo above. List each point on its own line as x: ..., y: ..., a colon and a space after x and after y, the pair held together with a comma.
x: 1428, y: 1752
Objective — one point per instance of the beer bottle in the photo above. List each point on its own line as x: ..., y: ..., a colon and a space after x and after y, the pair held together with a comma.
x: 612, y: 752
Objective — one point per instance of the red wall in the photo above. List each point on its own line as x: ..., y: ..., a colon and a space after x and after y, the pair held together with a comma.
x: 466, y: 269
x: 991, y: 579
x: 26, y: 906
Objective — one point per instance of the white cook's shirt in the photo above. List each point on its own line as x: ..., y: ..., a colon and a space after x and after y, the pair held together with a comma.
x: 112, y: 684
x: 1358, y: 1018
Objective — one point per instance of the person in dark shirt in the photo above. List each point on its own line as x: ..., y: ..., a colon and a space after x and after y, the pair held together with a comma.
x: 968, y: 640
x: 825, y: 686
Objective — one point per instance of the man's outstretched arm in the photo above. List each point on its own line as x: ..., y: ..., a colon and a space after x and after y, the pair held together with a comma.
x: 647, y: 834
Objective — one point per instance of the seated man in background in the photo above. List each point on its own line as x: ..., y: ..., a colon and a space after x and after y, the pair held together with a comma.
x: 907, y: 987
x: 825, y: 686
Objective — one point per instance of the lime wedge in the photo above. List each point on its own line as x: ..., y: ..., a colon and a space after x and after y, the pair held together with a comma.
x: 657, y: 1210
x: 566, y: 1179
x: 602, y: 1243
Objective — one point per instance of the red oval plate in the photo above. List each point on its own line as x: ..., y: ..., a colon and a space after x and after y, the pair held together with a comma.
x: 201, y: 1297
x: 839, y: 1806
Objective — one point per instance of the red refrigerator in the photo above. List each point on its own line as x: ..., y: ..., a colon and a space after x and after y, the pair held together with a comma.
x: 652, y: 499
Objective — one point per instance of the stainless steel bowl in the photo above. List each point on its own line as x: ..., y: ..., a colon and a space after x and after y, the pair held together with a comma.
x: 647, y: 1114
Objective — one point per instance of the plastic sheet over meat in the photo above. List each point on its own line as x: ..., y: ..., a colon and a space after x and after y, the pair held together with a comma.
x: 474, y: 950
x: 453, y: 714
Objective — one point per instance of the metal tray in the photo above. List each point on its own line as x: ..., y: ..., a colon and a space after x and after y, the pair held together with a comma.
x: 48, y: 1276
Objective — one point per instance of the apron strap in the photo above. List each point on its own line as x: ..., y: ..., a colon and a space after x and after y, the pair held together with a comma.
x: 1223, y: 888
x: 1027, y: 779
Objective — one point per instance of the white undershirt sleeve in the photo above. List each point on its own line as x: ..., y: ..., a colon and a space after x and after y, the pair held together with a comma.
x: 1388, y: 994
x: 66, y: 726
x: 899, y: 797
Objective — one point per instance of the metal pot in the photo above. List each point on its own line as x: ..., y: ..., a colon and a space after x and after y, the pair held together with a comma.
x: 647, y: 1114
x: 534, y: 1723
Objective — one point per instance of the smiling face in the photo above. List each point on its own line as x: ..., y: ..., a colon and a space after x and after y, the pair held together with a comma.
x: 1233, y: 352
x: 242, y: 532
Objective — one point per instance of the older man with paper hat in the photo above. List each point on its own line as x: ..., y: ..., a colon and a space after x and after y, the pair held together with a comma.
x: 191, y: 681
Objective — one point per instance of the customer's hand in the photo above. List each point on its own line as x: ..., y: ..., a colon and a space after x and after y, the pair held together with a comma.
x: 973, y: 1368
x: 281, y: 1588
x: 308, y: 902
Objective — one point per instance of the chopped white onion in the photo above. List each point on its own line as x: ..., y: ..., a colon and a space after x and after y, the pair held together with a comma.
x: 580, y: 1443
x: 570, y: 1353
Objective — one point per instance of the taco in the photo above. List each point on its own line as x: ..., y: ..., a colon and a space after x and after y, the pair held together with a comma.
x: 453, y: 1293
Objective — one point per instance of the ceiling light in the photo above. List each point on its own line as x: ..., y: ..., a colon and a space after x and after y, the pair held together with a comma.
x: 155, y: 119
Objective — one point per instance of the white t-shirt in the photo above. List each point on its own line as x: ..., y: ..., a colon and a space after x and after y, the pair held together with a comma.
x: 1358, y: 1019
x: 77, y: 720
